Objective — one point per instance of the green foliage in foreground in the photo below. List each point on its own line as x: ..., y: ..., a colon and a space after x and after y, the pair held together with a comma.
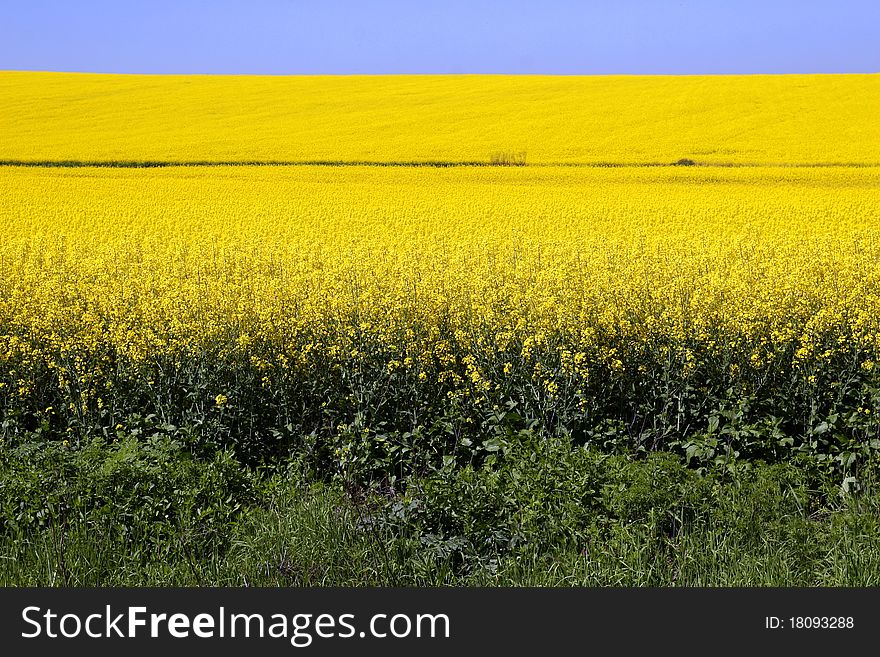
x: 535, y: 512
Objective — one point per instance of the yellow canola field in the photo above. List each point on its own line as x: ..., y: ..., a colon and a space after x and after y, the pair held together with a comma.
x: 771, y: 120
x: 446, y: 272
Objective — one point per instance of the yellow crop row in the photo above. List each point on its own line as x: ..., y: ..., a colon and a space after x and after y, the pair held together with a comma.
x: 455, y: 266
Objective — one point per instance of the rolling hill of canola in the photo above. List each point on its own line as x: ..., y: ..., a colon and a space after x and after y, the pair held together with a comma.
x: 770, y: 120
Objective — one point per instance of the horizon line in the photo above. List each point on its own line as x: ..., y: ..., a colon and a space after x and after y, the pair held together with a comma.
x: 341, y: 75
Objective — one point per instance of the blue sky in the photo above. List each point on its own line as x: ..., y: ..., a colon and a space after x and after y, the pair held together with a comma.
x: 428, y: 36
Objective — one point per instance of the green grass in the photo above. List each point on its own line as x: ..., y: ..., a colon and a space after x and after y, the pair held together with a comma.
x: 538, y: 513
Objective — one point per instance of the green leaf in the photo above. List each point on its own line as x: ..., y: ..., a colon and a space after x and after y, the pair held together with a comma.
x: 713, y: 424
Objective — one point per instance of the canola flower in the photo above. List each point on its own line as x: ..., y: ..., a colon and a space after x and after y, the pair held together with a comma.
x: 772, y: 120
x: 354, y: 310
x: 478, y: 286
